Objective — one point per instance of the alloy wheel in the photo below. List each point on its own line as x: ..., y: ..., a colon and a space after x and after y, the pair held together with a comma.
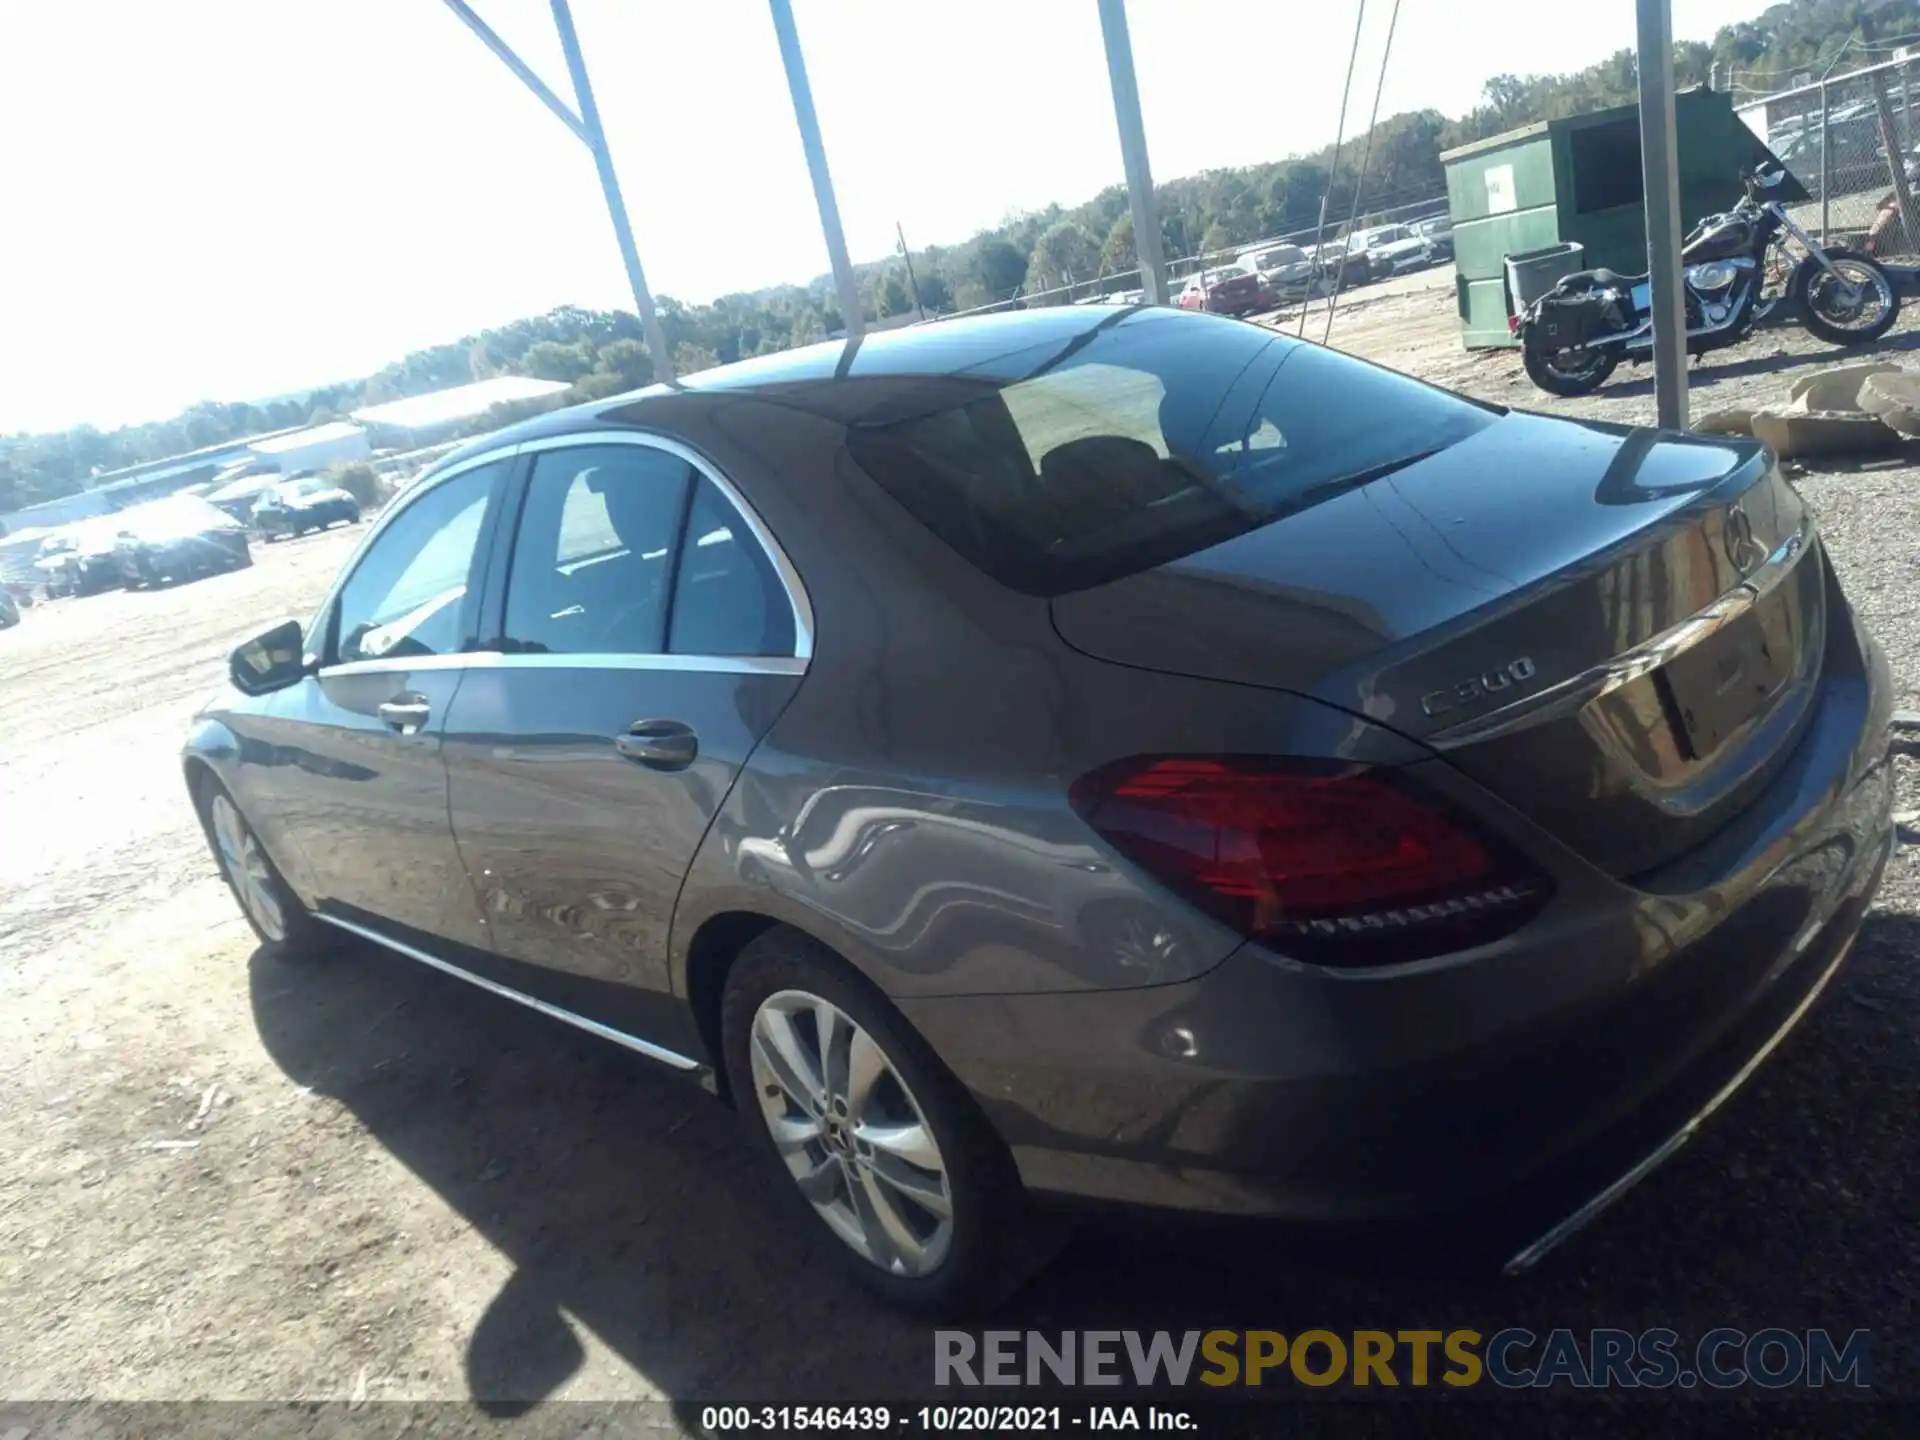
x: 853, y: 1136
x: 246, y: 866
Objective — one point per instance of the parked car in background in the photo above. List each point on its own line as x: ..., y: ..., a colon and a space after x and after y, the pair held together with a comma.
x: 237, y: 497
x: 1286, y: 270
x: 1226, y: 290
x: 58, y: 564
x: 93, y: 564
x: 1347, y: 266
x: 294, y: 507
x: 1437, y: 232
x: 1393, y: 250
x: 178, y: 539
x: 1058, y: 754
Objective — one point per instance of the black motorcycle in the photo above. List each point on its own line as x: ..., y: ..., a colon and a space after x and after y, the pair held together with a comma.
x: 1737, y: 267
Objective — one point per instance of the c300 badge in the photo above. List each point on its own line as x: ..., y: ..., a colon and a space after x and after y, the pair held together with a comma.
x: 1478, y: 687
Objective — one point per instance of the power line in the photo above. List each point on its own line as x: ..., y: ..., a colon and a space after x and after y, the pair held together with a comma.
x: 1360, y: 185
x: 1333, y: 166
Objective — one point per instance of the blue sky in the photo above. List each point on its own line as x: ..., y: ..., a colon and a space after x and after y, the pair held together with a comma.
x: 227, y: 199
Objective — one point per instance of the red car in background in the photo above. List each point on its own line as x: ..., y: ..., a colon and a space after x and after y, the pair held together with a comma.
x: 1228, y: 290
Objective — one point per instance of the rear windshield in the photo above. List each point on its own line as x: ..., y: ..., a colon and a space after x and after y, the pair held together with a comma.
x: 1169, y: 436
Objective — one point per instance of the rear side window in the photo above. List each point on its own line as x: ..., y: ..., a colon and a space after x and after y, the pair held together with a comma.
x: 592, y: 558
x: 726, y: 598
x: 1165, y: 437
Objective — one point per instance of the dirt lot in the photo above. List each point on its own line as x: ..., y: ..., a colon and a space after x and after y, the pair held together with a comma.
x: 226, y: 1178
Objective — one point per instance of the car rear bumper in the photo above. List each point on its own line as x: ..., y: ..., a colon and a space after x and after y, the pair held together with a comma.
x: 1534, y: 1074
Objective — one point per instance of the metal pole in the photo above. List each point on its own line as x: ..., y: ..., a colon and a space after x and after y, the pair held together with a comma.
x: 816, y: 153
x: 1660, y: 177
x: 610, y: 184
x: 912, y: 279
x: 1896, y: 162
x: 519, y: 67
x: 1133, y: 151
x: 1826, y: 178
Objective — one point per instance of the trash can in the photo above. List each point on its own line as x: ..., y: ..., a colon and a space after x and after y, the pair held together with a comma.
x: 1532, y: 273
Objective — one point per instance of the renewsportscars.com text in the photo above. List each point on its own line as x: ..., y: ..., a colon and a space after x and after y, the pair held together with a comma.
x: 1513, y: 1358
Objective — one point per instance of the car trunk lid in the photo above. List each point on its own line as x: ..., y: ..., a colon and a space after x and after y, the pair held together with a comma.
x: 1616, y: 631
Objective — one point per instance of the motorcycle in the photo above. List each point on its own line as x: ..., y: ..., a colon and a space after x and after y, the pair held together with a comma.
x: 1737, y: 268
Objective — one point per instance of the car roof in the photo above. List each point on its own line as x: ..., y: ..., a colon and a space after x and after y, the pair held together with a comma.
x: 848, y: 381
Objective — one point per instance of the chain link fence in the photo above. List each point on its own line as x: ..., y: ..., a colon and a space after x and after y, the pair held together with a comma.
x: 1832, y: 136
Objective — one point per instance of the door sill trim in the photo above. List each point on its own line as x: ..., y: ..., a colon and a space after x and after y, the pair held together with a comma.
x: 554, y: 1012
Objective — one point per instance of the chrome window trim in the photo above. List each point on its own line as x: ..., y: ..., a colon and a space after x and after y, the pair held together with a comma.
x: 593, y: 660
x: 619, y: 660
x: 567, y: 1017
x: 381, y: 664
x: 790, y: 581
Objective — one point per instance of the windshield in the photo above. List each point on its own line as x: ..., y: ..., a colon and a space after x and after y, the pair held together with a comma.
x: 1389, y: 235
x: 1165, y: 438
x: 1283, y: 255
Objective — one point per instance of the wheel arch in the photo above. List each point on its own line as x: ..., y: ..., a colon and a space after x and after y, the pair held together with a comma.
x: 710, y: 954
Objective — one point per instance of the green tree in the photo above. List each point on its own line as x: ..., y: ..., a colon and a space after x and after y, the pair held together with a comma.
x: 551, y: 360
x: 691, y: 359
x: 1064, y: 253
x: 934, y: 292
x: 889, y: 294
x: 999, y: 268
x: 626, y: 360
x: 807, y: 326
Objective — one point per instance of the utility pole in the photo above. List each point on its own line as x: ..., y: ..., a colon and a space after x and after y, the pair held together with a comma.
x: 912, y: 279
x: 1660, y: 177
x: 1133, y: 150
x: 816, y: 153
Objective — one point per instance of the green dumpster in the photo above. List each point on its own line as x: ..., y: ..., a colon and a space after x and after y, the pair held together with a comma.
x: 1578, y: 179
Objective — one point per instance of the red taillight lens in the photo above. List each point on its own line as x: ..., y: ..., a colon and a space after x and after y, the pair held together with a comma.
x: 1337, y: 862
x: 1513, y: 324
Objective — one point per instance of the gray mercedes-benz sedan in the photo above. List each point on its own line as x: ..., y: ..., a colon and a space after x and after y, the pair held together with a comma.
x: 1107, y: 753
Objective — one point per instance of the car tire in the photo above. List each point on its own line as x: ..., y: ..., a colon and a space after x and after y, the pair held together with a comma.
x: 990, y: 1240
x: 284, y: 926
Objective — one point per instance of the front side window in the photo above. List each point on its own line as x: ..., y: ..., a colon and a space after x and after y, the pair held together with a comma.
x: 593, y: 558
x: 405, y: 597
x: 1156, y: 440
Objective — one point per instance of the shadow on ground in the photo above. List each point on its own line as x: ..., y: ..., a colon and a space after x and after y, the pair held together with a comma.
x: 1710, y: 369
x: 627, y: 1200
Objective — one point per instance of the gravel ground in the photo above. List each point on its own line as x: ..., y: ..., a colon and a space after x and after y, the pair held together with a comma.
x: 362, y: 1182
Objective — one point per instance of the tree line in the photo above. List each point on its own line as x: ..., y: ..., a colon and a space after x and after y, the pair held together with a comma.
x: 602, y: 352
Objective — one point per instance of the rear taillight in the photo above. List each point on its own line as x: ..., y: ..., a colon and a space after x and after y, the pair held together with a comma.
x: 1335, y: 863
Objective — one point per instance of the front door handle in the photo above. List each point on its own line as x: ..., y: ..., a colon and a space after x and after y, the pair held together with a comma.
x: 659, y: 744
x: 406, y: 713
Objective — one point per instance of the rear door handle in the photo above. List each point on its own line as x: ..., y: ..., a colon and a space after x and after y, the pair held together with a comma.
x: 659, y: 744
x: 407, y: 713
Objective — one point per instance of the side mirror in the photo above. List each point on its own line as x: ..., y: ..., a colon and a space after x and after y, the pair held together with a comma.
x: 271, y: 660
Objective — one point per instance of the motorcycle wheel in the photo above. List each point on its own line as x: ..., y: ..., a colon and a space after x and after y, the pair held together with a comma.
x: 1823, y: 305
x: 1557, y: 375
